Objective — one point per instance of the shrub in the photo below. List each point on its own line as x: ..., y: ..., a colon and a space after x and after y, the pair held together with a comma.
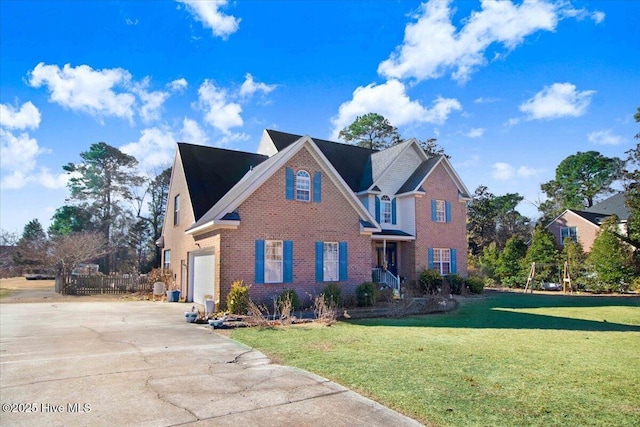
x: 475, y: 284
x: 238, y: 298
x: 429, y: 281
x: 289, y: 295
x: 456, y: 283
x: 332, y: 294
x: 366, y: 294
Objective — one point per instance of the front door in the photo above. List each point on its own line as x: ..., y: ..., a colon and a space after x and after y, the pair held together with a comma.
x: 391, y: 258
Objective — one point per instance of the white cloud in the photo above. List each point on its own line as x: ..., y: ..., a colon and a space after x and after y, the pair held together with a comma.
x: 156, y: 146
x: 151, y: 101
x: 178, y: 85
x: 391, y: 101
x: 219, y: 111
x: 597, y: 16
x: 433, y: 46
x: 249, y: 86
x: 485, y: 100
x: 581, y: 14
x: 557, y: 100
x: 502, y: 171
x: 27, y: 117
x: 209, y: 14
x: 84, y: 89
x: 604, y: 137
x: 475, y: 133
x: 527, y: 172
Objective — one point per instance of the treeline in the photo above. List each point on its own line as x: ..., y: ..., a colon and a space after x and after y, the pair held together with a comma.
x: 113, y: 217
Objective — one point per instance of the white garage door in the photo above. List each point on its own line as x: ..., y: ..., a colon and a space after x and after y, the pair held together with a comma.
x: 203, y: 276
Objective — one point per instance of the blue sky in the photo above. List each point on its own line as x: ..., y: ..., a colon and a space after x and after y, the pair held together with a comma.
x: 509, y: 89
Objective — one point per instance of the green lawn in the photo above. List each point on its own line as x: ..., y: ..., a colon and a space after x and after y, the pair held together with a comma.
x: 505, y: 360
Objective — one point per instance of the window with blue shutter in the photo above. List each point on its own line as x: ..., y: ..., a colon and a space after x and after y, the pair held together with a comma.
x: 344, y: 257
x: 319, y: 261
x: 447, y: 211
x: 430, y: 258
x: 290, y: 183
x: 317, y: 187
x: 259, y: 261
x: 454, y: 262
x: 434, y: 209
x: 377, y: 209
x: 394, y: 218
x: 288, y: 261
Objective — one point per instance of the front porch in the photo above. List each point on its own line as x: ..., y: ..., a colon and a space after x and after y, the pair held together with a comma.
x: 389, y: 268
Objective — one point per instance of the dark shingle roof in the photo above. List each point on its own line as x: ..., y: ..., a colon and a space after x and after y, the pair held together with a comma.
x: 211, y: 172
x: 353, y: 163
x: 592, y: 217
x: 614, y: 205
x: 412, y: 183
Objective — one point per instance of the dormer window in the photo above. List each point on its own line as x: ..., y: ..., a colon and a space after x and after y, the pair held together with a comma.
x: 385, y: 209
x: 303, y: 186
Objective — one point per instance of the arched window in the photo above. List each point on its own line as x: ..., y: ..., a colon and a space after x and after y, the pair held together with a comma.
x: 303, y: 186
x: 385, y: 209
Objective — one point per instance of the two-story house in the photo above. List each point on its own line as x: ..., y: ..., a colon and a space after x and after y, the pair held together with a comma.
x: 305, y: 212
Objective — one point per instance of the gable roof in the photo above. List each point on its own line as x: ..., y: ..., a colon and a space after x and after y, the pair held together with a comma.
x: 614, y: 205
x: 206, y: 165
x: 353, y: 163
x: 220, y: 213
x: 422, y: 172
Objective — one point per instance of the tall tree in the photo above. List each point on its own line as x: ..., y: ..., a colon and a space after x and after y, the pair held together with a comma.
x: 579, y: 179
x: 509, y: 266
x: 574, y: 256
x: 609, y: 258
x: 158, y: 191
x: 69, y: 250
x: 102, y: 182
x: 432, y: 149
x: 32, y: 248
x: 371, y: 131
x: 70, y: 219
x: 543, y: 252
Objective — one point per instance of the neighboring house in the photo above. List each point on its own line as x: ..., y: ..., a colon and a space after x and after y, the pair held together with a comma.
x: 582, y: 226
x: 307, y: 212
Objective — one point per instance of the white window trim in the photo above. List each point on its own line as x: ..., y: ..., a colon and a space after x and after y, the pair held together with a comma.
x: 441, y: 211
x: 442, y: 257
x: 166, y: 263
x: 385, y: 210
x: 568, y: 234
x: 278, y: 264
x: 305, y: 180
x: 176, y: 210
x: 329, y: 264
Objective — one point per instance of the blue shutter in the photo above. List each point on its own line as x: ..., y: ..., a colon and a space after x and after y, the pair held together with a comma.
x: 447, y: 211
x: 377, y: 209
x: 319, y: 261
x: 317, y: 187
x: 393, y: 211
x: 259, y: 262
x: 288, y: 261
x: 434, y: 206
x: 290, y: 180
x: 344, y: 256
x: 454, y: 262
x: 430, y: 258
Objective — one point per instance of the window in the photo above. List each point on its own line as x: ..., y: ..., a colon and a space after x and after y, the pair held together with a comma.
x: 273, y: 261
x: 167, y: 260
x: 331, y: 261
x: 570, y: 232
x: 176, y: 210
x: 303, y: 186
x: 385, y: 209
x: 440, y: 211
x: 442, y: 260
x: 330, y: 265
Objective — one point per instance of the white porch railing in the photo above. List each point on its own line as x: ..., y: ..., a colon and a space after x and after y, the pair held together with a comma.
x: 387, y: 278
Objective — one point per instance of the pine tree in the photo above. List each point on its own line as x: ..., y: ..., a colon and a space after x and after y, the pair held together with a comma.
x: 609, y: 259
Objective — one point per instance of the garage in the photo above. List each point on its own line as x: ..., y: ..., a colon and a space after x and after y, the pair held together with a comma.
x: 202, y: 280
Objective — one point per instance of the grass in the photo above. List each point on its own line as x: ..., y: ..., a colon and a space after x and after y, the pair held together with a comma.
x: 509, y: 359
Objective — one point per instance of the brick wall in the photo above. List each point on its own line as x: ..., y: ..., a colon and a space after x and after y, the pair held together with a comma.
x: 430, y: 234
x: 267, y: 215
x: 586, y: 230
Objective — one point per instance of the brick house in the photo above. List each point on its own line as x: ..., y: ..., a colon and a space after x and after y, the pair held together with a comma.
x: 304, y: 212
x: 583, y: 225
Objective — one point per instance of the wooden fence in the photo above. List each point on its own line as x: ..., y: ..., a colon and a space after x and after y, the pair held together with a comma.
x: 112, y: 284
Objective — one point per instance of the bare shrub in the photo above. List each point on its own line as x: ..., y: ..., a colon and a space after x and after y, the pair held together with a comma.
x: 325, y: 312
x: 258, y: 315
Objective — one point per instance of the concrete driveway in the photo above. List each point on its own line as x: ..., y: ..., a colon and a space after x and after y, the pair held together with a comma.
x: 140, y: 363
